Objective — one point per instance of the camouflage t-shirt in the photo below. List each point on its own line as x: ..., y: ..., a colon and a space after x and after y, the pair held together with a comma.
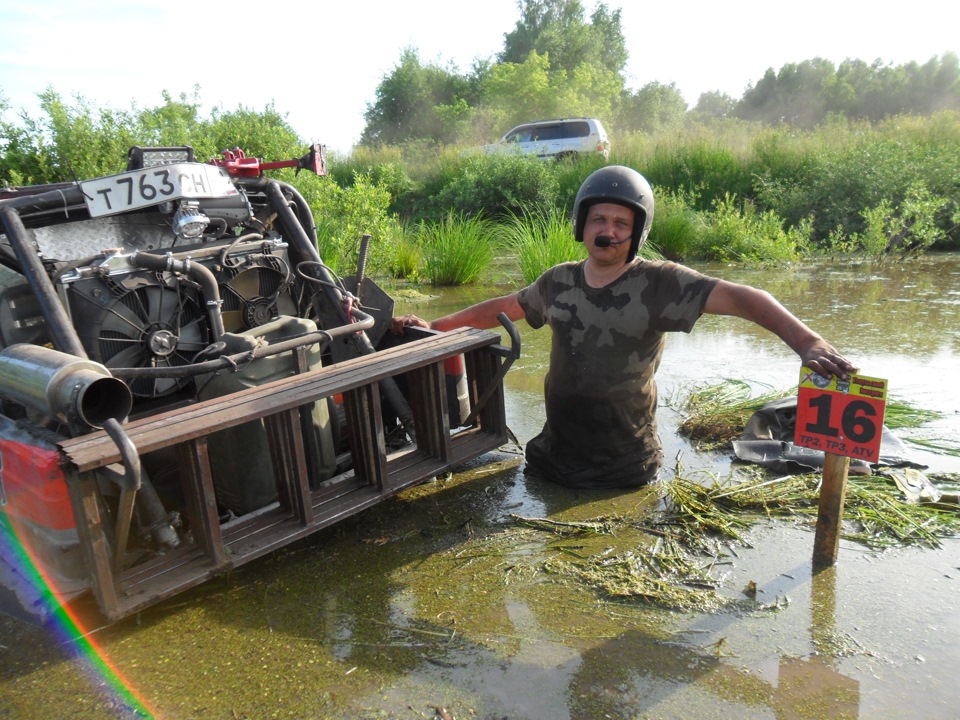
x: 601, y: 397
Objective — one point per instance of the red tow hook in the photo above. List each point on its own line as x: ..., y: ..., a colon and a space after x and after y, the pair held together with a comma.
x: 238, y: 164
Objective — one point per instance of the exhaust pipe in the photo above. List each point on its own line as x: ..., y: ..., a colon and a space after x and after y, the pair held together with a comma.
x: 62, y: 385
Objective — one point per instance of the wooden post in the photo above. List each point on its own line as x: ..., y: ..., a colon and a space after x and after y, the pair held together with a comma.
x: 833, y: 492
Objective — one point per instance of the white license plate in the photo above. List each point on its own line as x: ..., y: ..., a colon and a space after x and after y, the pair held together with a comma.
x: 151, y: 186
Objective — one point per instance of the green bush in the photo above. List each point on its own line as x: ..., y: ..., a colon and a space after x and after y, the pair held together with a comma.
x: 707, y: 172
x: 67, y: 142
x: 677, y: 229
x: 385, y: 168
x: 263, y: 134
x: 740, y: 233
x: 897, y: 231
x: 344, y: 215
x: 474, y: 184
x: 830, y: 176
x: 842, y: 186
x: 570, y: 174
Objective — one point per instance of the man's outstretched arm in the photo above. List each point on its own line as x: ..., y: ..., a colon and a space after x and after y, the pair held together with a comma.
x: 482, y: 315
x: 762, y: 308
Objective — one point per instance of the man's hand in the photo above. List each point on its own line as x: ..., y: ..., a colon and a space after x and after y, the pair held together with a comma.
x: 823, y: 358
x: 399, y: 324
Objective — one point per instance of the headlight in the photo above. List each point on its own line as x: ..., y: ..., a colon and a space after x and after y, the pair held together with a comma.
x: 146, y: 157
x: 188, y: 222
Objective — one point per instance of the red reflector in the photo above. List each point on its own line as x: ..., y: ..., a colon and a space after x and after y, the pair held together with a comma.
x: 454, y: 366
x: 34, y: 484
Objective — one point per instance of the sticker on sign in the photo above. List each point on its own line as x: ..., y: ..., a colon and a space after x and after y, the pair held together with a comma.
x: 151, y: 186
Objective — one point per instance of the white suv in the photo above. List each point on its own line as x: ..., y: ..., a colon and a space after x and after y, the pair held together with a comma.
x: 555, y: 139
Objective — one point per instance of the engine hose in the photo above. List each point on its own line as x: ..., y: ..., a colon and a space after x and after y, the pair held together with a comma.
x: 204, y: 277
x: 225, y: 253
x: 232, y: 362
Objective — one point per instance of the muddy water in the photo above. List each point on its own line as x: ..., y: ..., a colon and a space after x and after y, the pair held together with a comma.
x: 440, y: 604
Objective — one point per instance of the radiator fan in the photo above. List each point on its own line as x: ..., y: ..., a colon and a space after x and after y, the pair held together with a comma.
x: 151, y: 325
x: 256, y: 295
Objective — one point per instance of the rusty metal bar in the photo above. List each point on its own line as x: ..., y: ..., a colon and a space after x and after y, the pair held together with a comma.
x: 121, y: 534
x: 85, y: 499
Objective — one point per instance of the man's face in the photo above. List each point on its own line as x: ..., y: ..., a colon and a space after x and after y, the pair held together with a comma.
x: 608, y: 220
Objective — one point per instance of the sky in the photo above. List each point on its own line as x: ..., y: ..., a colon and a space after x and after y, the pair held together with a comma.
x: 320, y: 63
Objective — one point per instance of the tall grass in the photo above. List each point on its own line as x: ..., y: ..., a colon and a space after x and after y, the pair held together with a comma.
x: 705, y: 171
x: 474, y: 184
x: 677, y: 228
x: 739, y: 232
x: 407, y: 256
x: 456, y: 250
x: 540, y: 239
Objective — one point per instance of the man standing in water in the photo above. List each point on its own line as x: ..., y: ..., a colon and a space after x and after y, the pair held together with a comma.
x: 609, y: 315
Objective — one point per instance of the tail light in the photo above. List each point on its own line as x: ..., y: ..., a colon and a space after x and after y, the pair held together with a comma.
x: 34, y: 485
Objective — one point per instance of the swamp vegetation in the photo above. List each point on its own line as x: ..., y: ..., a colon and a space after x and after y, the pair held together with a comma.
x: 701, y: 519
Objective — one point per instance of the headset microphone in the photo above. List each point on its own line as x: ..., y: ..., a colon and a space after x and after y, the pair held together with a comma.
x: 605, y: 241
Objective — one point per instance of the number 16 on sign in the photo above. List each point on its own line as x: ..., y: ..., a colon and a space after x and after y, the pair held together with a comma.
x: 844, y: 418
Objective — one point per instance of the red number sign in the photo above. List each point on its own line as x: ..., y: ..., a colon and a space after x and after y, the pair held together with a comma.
x: 843, y: 417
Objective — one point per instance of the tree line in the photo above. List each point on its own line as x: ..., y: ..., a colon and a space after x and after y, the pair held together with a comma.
x: 559, y: 62
x: 858, y: 158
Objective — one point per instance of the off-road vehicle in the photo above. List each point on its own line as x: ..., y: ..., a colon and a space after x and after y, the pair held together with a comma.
x: 186, y: 386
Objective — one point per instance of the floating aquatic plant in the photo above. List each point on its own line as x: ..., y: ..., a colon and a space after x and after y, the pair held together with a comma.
x: 696, y: 516
x: 665, y: 576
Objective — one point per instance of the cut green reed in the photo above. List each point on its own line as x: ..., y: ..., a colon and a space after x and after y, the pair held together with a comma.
x: 698, y: 516
x: 665, y: 558
x: 716, y: 414
x: 876, y: 514
x: 943, y: 447
x: 903, y: 414
x: 664, y: 576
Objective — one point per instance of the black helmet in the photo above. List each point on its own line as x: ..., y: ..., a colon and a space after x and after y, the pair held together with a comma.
x: 623, y: 186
